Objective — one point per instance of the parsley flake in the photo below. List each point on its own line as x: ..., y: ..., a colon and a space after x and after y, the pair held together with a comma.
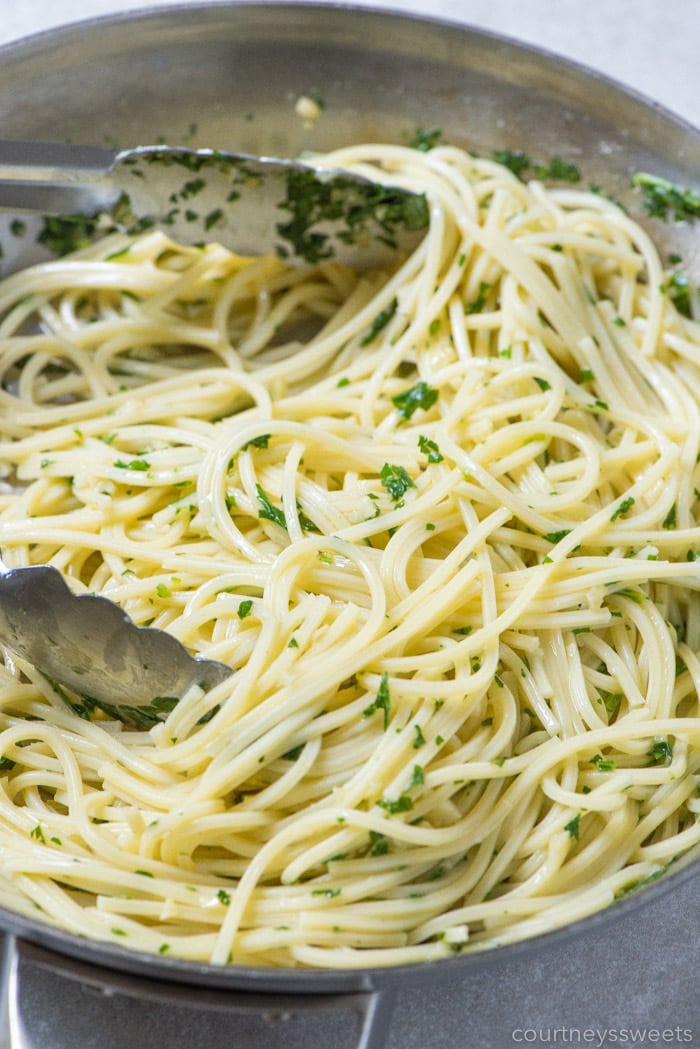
x: 380, y: 322
x: 382, y: 701
x: 430, y: 448
x: 396, y: 480
x: 269, y: 512
x: 663, y: 198
x: 573, y: 826
x: 419, y: 396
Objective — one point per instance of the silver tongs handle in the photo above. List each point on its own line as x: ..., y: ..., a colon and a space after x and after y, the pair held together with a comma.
x: 54, y: 178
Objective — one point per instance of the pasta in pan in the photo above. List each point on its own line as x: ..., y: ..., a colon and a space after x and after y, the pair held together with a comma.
x: 443, y: 523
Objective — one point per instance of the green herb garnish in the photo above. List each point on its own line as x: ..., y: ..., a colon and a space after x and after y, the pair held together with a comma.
x: 257, y: 442
x: 602, y: 764
x: 556, y: 537
x: 133, y: 464
x: 417, y: 777
x: 523, y: 166
x: 380, y: 322
x: 362, y: 208
x: 419, y: 396
x: 661, y: 752
x: 573, y: 826
x: 401, y: 804
x: 62, y: 234
x: 558, y: 170
x: 622, y: 508
x: 515, y: 160
x: 663, y: 198
x: 268, y: 511
x: 431, y: 449
x: 426, y: 139
x: 382, y: 701
x: 378, y: 843
x: 477, y: 304
x: 396, y: 480
x: 679, y: 291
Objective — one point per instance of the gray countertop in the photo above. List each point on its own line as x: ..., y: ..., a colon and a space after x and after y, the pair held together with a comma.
x: 649, y: 45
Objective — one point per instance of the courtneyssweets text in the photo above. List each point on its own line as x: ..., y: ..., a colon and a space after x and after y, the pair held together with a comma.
x: 601, y: 1037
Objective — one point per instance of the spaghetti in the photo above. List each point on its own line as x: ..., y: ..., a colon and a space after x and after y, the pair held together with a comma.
x: 443, y: 524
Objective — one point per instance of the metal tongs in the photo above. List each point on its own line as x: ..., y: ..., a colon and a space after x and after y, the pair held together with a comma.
x: 86, y: 643
x: 254, y: 205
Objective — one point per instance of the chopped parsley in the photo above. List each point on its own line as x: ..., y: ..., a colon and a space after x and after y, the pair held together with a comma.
x: 257, y: 442
x: 573, y: 826
x: 133, y: 464
x: 661, y: 752
x: 426, y: 139
x: 268, y: 511
x: 380, y: 322
x: 245, y: 608
x: 401, y: 804
x: 611, y: 700
x: 664, y: 199
x: 419, y: 396
x: 361, y: 207
x: 378, y: 843
x: 396, y: 480
x: 680, y: 291
x: 417, y: 777
x: 382, y: 701
x: 476, y: 305
x: 516, y: 160
x: 558, y: 170
x: 62, y: 234
x: 555, y: 537
x: 431, y: 449
x: 520, y: 163
x: 622, y: 508
x: 633, y: 886
x: 418, y: 737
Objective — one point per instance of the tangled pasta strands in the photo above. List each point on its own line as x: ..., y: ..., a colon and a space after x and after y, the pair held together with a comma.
x: 442, y: 523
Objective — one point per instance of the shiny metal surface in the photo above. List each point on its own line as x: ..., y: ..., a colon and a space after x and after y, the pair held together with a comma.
x: 87, y: 644
x: 250, y: 204
x: 239, y: 70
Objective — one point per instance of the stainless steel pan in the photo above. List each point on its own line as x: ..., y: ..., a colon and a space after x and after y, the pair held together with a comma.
x: 228, y: 75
